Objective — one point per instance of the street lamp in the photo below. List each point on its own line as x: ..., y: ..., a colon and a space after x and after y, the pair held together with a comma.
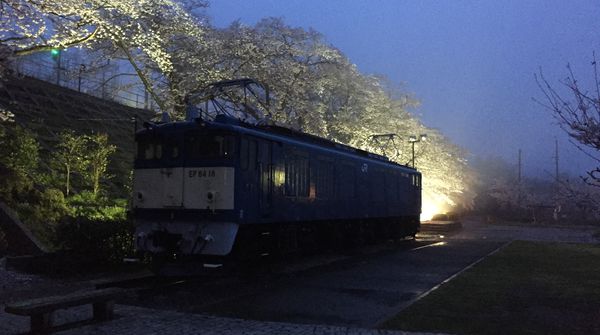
x: 56, y: 56
x: 414, y: 139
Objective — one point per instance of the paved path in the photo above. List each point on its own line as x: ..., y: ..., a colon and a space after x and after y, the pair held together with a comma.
x: 361, y: 292
x: 474, y: 229
x: 347, y: 297
x: 379, y: 283
x: 132, y: 320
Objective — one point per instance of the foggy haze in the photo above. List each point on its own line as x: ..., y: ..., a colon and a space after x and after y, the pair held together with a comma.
x: 470, y: 63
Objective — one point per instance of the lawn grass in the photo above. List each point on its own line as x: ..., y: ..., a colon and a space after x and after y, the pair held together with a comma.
x: 526, y: 288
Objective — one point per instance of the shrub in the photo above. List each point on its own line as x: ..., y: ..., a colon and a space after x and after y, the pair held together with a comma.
x: 92, y: 207
x: 40, y: 211
x: 3, y: 243
x: 99, y: 242
x: 19, y: 151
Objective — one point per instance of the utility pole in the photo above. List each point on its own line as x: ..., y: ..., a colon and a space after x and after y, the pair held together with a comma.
x: 413, y: 152
x: 519, y: 171
x: 556, y: 165
x: 519, y: 174
x: 557, y: 206
x: 56, y: 55
x: 81, y: 70
x: 58, y: 69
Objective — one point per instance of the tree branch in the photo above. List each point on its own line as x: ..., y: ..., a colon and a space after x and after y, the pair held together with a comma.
x: 141, y: 75
x: 40, y: 48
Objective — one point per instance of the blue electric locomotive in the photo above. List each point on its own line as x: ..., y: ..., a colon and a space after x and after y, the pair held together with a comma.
x: 228, y: 188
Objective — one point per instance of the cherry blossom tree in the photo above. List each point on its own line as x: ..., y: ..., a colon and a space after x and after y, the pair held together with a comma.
x: 288, y: 60
x: 140, y: 31
x: 315, y: 88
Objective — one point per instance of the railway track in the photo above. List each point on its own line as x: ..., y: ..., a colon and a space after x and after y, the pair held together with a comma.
x: 146, y: 283
x: 216, y: 285
x: 178, y: 293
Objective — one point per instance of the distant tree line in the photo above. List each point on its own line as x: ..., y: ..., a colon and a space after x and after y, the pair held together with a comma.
x: 501, y: 193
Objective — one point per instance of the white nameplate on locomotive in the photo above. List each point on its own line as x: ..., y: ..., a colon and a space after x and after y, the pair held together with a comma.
x: 202, y: 173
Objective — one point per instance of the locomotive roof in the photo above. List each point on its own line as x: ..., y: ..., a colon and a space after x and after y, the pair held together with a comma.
x: 272, y: 131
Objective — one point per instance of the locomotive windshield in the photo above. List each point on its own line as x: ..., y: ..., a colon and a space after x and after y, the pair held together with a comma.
x: 156, y: 148
x: 149, y: 149
x: 209, y: 145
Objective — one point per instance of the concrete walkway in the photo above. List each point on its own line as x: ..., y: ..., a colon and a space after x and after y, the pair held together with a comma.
x: 144, y: 321
x: 475, y: 229
x: 138, y: 320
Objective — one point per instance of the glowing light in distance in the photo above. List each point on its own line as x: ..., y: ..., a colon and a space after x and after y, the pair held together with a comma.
x: 428, y: 210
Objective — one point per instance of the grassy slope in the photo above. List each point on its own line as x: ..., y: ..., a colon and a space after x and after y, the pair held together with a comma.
x: 47, y: 109
x: 527, y: 288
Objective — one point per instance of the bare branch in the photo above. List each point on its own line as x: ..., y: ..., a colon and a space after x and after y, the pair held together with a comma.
x: 578, y: 115
x: 147, y: 84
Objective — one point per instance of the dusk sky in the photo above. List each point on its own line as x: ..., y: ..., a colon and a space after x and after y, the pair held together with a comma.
x: 470, y: 63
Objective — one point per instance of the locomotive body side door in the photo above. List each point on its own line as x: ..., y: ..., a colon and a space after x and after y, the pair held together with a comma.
x: 265, y: 177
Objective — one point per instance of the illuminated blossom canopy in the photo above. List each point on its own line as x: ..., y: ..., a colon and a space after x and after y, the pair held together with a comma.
x: 141, y: 30
x: 314, y: 87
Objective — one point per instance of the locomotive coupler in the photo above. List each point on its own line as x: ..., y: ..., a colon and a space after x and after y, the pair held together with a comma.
x: 167, y: 241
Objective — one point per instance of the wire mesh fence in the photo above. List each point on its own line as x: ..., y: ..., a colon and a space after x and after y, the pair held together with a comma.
x: 106, y: 81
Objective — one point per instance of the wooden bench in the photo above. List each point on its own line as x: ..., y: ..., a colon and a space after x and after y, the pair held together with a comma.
x: 41, y: 310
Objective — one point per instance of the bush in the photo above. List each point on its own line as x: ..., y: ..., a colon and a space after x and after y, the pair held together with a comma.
x: 88, y: 223
x: 41, y: 211
x: 3, y: 243
x: 13, y: 185
x: 93, y: 207
x: 99, y: 242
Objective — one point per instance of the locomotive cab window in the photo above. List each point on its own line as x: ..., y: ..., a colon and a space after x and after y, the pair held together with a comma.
x: 149, y: 148
x: 207, y: 145
x: 173, y: 149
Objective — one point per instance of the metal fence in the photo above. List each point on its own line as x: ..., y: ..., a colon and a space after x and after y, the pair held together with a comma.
x: 106, y: 82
